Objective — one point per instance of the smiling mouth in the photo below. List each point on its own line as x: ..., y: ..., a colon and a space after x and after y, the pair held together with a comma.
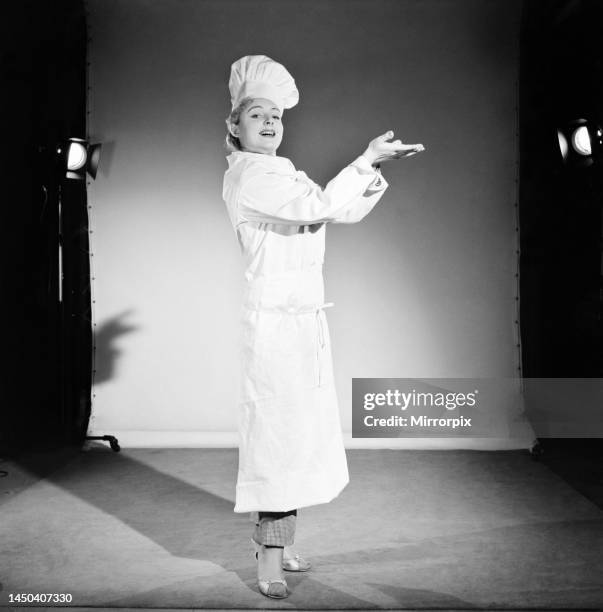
x: 269, y: 133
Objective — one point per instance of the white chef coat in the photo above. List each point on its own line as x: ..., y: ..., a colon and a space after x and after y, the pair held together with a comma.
x: 291, y: 451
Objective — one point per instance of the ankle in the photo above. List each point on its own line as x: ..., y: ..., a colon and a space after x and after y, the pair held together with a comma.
x: 271, y: 552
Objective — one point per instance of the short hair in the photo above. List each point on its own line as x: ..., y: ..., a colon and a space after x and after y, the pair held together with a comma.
x: 232, y: 143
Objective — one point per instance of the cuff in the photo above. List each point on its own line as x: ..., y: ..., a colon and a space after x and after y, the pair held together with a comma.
x: 363, y: 163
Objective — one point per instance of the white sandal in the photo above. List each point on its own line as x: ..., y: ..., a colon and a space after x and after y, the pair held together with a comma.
x: 276, y: 588
x: 278, y: 592
x: 296, y: 564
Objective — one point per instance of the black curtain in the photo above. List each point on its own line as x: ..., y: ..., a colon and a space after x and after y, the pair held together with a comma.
x: 47, y: 342
x: 561, y: 63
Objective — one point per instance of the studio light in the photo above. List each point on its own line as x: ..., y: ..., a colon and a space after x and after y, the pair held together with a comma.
x: 563, y: 146
x: 76, y: 157
x: 580, y: 143
x: 80, y: 158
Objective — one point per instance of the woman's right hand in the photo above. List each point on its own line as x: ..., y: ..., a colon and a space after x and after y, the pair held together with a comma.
x: 379, y: 150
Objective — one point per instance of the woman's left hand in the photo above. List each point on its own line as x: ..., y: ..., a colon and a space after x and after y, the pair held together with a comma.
x: 380, y: 150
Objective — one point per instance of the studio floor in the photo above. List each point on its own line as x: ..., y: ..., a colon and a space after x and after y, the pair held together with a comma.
x: 414, y: 530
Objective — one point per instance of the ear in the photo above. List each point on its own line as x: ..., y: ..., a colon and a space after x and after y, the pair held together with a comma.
x: 233, y: 128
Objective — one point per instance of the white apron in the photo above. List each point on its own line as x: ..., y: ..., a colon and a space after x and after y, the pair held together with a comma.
x: 291, y: 451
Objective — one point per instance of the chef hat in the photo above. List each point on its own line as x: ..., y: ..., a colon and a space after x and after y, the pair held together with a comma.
x: 258, y: 76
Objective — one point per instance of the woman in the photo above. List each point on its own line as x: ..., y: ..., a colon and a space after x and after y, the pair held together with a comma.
x: 291, y: 452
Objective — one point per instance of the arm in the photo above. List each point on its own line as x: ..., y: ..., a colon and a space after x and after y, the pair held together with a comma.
x: 363, y: 204
x: 292, y: 198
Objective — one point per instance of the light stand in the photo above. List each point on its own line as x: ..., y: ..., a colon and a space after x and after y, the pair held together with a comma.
x: 78, y: 159
x: 581, y: 147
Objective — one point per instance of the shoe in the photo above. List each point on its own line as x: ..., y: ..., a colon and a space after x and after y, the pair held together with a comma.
x: 273, y: 588
x: 296, y: 564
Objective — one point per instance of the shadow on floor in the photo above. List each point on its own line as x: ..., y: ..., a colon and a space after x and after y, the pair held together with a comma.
x: 579, y: 461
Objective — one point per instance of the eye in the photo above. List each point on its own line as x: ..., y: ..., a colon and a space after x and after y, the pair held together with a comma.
x: 276, y: 117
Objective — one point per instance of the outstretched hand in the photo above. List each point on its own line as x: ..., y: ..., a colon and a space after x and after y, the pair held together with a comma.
x: 380, y: 150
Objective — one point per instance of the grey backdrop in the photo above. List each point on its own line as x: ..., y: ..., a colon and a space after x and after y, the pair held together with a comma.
x: 423, y: 287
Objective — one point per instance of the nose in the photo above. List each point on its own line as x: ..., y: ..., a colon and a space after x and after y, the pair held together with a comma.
x: 268, y: 119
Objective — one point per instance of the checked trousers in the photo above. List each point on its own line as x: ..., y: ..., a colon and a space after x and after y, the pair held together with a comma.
x: 274, y: 528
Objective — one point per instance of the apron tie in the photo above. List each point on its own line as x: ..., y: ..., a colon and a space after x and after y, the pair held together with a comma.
x: 321, y: 336
x: 292, y: 310
x: 320, y: 321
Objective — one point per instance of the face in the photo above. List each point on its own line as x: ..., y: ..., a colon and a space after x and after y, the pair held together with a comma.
x: 260, y: 127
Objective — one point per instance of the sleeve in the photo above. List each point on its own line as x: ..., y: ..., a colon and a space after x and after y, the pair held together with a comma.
x: 362, y: 205
x: 267, y: 195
